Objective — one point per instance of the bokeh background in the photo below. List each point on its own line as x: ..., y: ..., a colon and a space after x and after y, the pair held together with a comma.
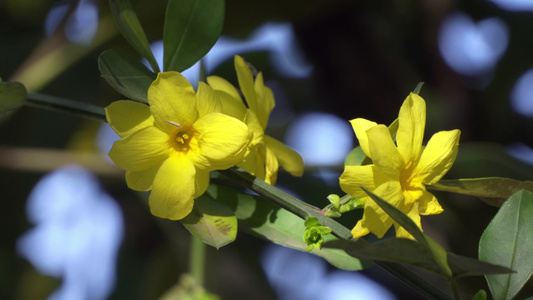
x: 69, y: 225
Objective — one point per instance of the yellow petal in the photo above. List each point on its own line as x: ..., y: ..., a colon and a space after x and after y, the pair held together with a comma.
x: 428, y: 205
x: 222, y: 140
x: 207, y: 100
x: 221, y: 84
x: 271, y: 167
x: 374, y: 218
x: 354, y: 177
x: 246, y: 82
x: 126, y: 117
x: 415, y: 216
x: 412, y: 122
x: 359, y: 231
x: 383, y: 152
x: 438, y: 156
x: 254, y: 163
x: 250, y: 118
x: 172, y: 99
x: 289, y: 159
x: 201, y: 183
x: 173, y: 188
x: 141, y: 150
x: 265, y: 100
x: 360, y: 126
x: 141, y: 180
x: 233, y: 107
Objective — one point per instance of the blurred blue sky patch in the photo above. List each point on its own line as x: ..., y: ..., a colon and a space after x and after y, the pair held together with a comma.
x: 78, y: 231
x: 472, y: 48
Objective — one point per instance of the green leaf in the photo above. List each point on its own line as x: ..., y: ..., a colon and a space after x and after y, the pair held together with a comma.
x: 191, y: 28
x: 508, y: 241
x: 356, y: 157
x: 131, y: 29
x: 492, y: 190
x: 265, y: 220
x: 12, y: 95
x: 465, y: 266
x: 393, y: 250
x: 410, y: 252
x: 126, y: 74
x: 439, y: 254
x: 212, y: 222
x: 188, y: 289
x: 481, y: 295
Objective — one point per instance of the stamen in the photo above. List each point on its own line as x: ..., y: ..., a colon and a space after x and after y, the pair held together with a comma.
x: 173, y: 123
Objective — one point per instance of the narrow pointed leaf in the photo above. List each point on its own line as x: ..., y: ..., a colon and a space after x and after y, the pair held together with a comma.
x: 12, y: 95
x: 131, y: 29
x: 393, y: 250
x: 191, y: 28
x: 212, y: 222
x: 439, y: 254
x: 465, y: 266
x: 492, y: 190
x: 508, y: 241
x: 126, y: 74
x: 263, y: 219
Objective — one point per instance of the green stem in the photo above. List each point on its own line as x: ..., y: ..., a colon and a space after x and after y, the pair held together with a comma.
x: 67, y: 106
x: 453, y: 287
x: 197, y: 259
x: 304, y: 210
x: 265, y: 190
x: 290, y: 203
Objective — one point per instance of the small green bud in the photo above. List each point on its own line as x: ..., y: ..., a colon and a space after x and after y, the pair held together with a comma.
x: 335, y: 200
x: 314, y: 234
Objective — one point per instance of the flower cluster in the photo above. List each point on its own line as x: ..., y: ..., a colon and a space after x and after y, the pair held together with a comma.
x: 265, y: 153
x: 171, y: 145
x: 399, y: 171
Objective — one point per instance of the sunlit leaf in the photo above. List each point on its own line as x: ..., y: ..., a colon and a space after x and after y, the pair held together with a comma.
x: 188, y: 289
x: 270, y: 222
x: 439, y: 254
x: 131, y: 29
x: 481, y: 295
x: 12, y: 95
x: 508, y: 241
x: 492, y: 190
x: 126, y: 74
x: 356, y: 157
x: 212, y: 222
x: 191, y: 28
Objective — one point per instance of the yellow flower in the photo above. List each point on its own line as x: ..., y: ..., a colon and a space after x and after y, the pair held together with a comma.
x: 171, y: 146
x: 265, y: 153
x: 399, y: 171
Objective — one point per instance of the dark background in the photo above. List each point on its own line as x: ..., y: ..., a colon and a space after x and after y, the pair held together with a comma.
x: 367, y: 57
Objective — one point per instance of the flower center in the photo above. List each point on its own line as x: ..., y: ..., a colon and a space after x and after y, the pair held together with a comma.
x: 411, y: 187
x: 183, y: 138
